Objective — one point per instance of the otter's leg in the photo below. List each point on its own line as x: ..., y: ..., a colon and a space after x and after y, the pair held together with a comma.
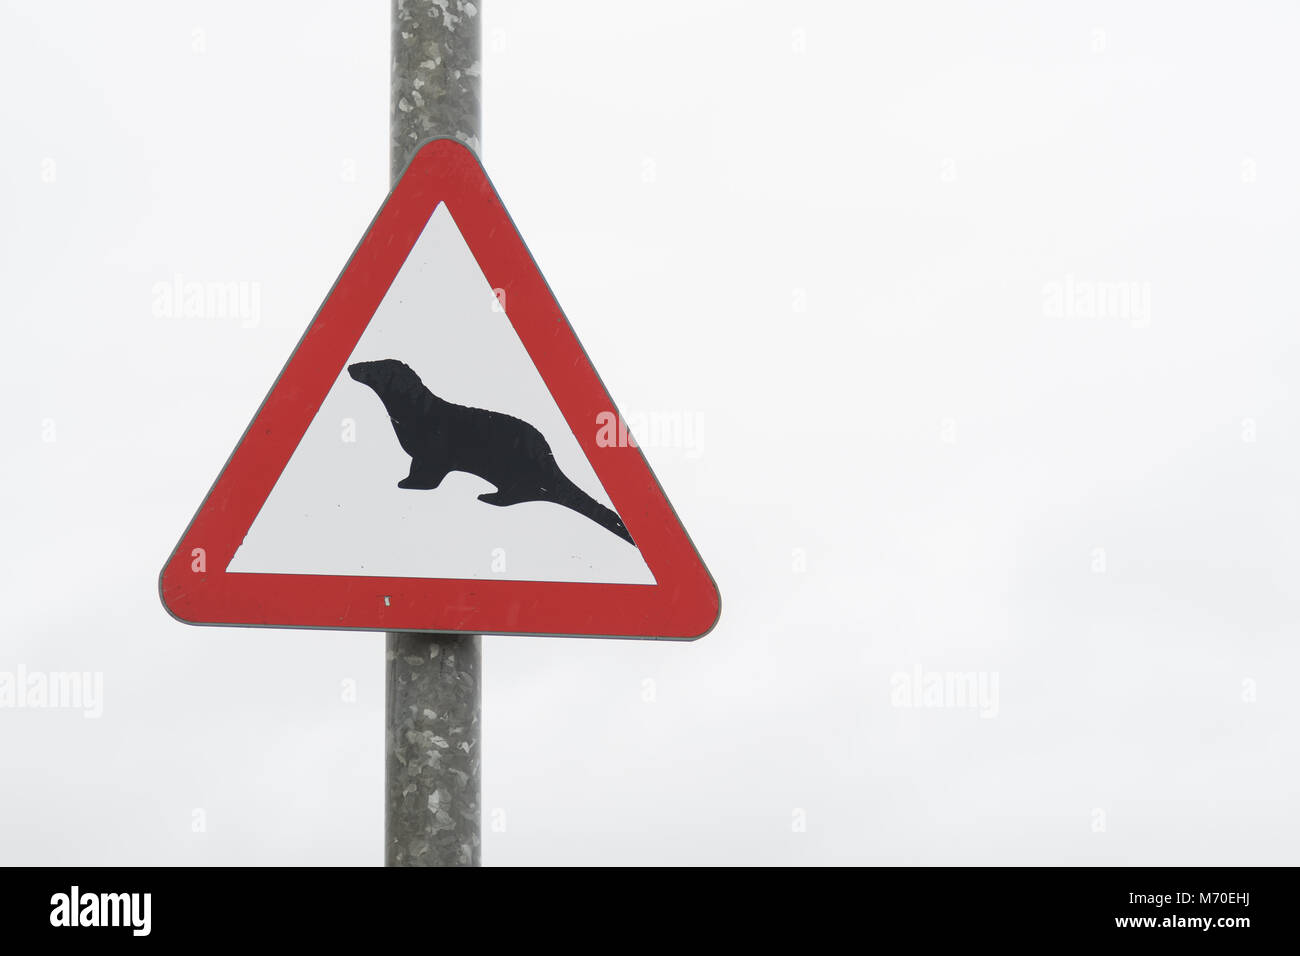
x: 501, y: 499
x: 423, y: 476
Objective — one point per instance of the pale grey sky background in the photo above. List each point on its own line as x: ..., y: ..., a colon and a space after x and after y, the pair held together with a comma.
x: 985, y: 321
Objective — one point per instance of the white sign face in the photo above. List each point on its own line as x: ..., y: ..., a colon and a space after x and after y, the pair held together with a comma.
x: 337, y: 508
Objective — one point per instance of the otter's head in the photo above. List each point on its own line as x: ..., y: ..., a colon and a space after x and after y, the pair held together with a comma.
x: 385, y: 376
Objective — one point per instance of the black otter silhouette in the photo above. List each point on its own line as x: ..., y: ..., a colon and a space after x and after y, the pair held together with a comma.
x: 442, y: 437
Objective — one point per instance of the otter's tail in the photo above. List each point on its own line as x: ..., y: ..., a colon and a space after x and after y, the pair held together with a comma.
x: 575, y: 499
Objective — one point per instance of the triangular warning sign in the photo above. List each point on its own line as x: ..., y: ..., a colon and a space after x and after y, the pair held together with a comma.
x: 438, y: 454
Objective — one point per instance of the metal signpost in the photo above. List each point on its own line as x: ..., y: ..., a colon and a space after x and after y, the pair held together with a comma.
x: 433, y: 684
x: 438, y: 460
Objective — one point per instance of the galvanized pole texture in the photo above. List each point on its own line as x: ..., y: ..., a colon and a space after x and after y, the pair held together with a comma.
x: 432, y: 816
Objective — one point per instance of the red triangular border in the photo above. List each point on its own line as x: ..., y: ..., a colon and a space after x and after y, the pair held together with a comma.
x: 683, y: 604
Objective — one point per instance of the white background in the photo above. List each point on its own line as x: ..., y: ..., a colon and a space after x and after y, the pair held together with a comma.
x: 828, y: 233
x: 336, y: 508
